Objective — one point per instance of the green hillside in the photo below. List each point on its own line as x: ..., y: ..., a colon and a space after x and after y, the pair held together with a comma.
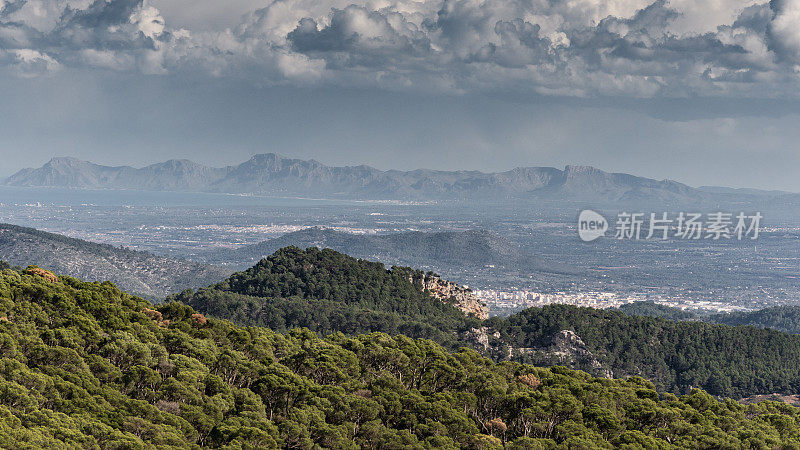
x: 85, y: 365
x: 782, y: 318
x: 330, y: 292
x: 135, y: 271
x: 327, y: 292
x: 724, y: 360
x: 652, y: 309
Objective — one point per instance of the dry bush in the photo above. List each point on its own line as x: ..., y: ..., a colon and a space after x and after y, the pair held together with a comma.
x: 46, y: 274
x: 153, y: 314
x: 497, y: 426
x: 199, y: 319
x: 530, y: 380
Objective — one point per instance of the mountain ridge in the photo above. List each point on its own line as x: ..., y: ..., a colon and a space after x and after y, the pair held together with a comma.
x: 273, y: 174
x: 140, y: 272
x: 471, y: 248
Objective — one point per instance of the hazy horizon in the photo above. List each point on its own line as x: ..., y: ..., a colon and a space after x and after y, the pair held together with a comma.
x: 4, y: 176
x: 701, y: 94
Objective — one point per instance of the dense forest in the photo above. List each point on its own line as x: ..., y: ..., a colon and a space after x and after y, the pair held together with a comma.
x: 784, y: 318
x: 724, y: 360
x: 327, y: 291
x: 85, y: 365
x: 652, y: 309
x: 781, y: 318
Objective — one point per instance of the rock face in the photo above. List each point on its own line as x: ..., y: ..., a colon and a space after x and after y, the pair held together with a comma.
x: 480, y: 338
x: 565, y: 348
x: 568, y: 346
x: 459, y: 296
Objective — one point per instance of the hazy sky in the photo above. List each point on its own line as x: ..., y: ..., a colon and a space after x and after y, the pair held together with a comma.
x: 699, y: 92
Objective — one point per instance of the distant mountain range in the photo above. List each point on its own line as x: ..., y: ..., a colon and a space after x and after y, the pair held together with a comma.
x: 446, y: 251
x: 138, y: 272
x: 272, y: 174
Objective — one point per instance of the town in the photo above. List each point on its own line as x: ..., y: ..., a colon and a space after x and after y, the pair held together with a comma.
x: 508, y: 302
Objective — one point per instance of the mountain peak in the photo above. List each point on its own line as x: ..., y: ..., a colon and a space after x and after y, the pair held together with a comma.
x: 275, y: 174
x: 268, y: 158
x: 65, y: 161
x: 278, y: 158
x: 181, y: 162
x: 578, y: 169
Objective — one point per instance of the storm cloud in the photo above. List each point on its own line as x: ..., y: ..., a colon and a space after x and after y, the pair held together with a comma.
x: 584, y: 48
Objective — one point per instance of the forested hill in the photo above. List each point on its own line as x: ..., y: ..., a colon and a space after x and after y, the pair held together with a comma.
x: 135, y: 271
x: 84, y: 365
x: 781, y: 318
x: 652, y: 309
x: 327, y: 291
x: 785, y: 318
x: 731, y: 361
x: 445, y: 250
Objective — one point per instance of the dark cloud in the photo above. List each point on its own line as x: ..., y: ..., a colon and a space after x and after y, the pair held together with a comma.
x: 633, y: 48
x: 360, y: 37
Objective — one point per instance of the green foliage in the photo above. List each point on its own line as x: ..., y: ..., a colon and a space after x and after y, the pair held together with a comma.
x: 781, y: 318
x: 652, y: 309
x: 327, y: 292
x: 723, y: 360
x: 84, y: 365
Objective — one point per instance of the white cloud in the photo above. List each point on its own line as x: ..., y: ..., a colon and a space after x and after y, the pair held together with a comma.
x: 148, y: 20
x: 29, y: 63
x: 300, y: 67
x: 785, y: 27
x: 578, y: 47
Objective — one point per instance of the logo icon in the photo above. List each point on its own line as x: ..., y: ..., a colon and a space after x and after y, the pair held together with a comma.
x: 591, y: 225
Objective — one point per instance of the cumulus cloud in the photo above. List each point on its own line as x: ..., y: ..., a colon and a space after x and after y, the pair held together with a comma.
x: 784, y: 29
x: 637, y: 48
x: 30, y: 63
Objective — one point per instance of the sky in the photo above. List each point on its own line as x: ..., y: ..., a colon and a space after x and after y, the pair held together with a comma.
x: 706, y: 93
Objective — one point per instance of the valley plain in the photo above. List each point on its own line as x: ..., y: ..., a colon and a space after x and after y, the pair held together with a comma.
x: 514, y: 254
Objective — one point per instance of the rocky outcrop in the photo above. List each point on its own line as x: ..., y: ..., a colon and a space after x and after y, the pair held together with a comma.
x: 480, y: 338
x: 459, y: 296
x: 570, y: 348
x: 565, y: 348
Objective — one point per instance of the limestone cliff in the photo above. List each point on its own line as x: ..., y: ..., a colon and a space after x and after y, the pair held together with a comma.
x: 565, y: 348
x: 459, y: 296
